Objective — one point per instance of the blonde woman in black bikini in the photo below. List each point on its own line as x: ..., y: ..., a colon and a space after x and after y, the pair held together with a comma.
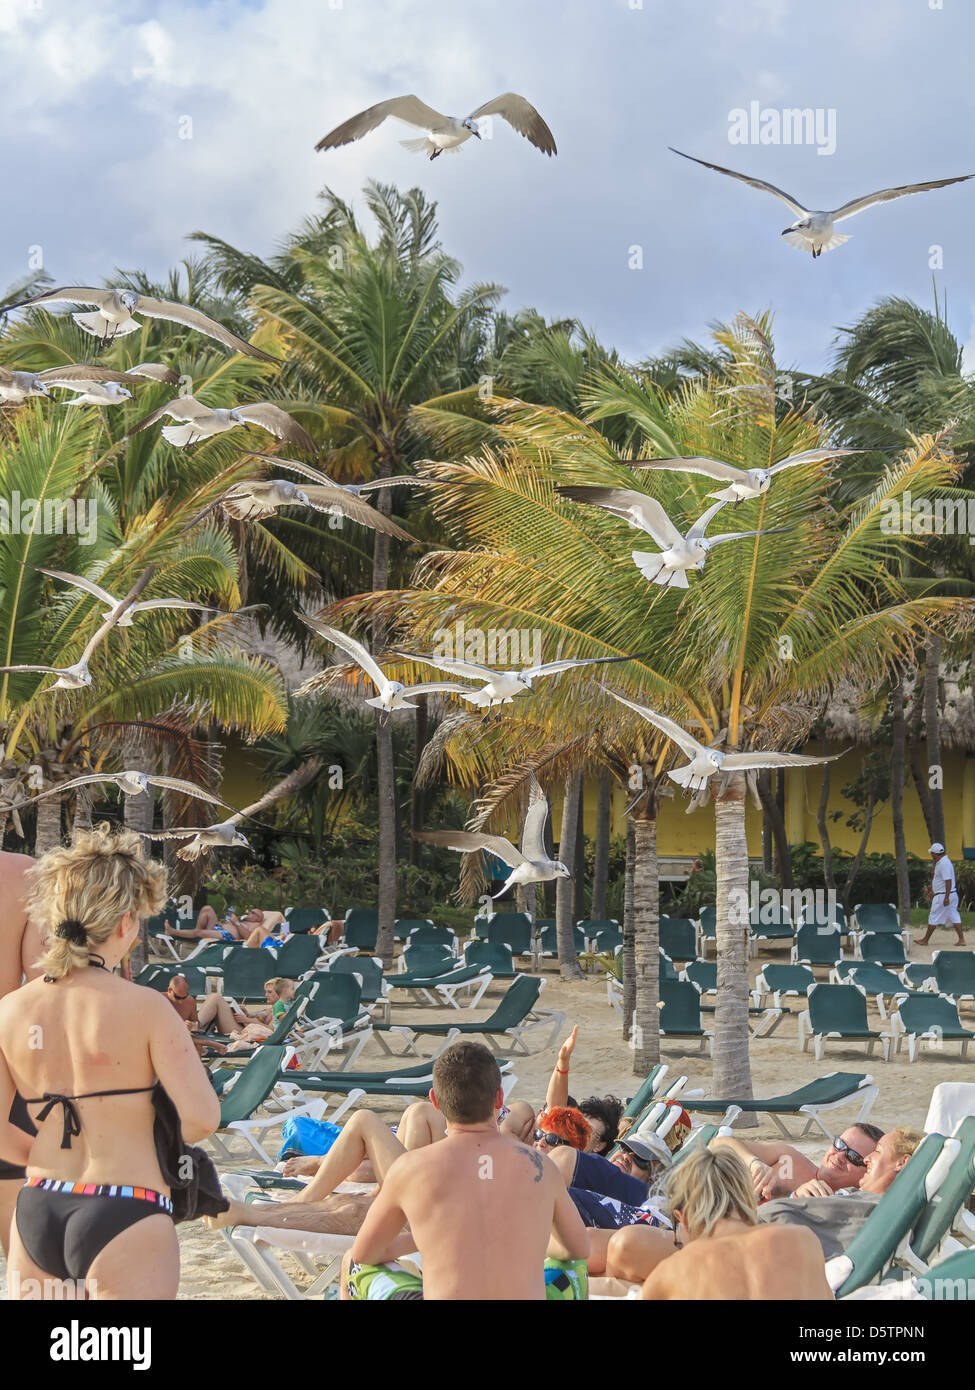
x: 85, y: 1050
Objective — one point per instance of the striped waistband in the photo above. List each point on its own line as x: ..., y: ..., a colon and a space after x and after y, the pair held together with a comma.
x: 93, y: 1189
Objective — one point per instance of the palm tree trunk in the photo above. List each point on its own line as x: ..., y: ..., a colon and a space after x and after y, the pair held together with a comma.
x: 579, y: 862
x: 914, y: 757
x: 731, y: 1069
x: 824, y: 840
x: 82, y: 810
x: 646, y: 941
x: 569, y: 967
x: 137, y: 814
x: 47, y: 834
x: 932, y: 717
x: 861, y: 851
x: 600, y: 869
x: 385, y: 765
x: 897, y: 752
x: 629, y: 928
x: 420, y: 727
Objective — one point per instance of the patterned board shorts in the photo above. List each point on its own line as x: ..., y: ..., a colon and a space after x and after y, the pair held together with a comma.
x: 565, y: 1281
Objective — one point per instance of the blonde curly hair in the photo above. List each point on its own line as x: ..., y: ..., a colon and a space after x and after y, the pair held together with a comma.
x: 78, y: 893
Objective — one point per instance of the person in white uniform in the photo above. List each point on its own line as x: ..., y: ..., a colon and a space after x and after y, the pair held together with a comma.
x: 944, y: 897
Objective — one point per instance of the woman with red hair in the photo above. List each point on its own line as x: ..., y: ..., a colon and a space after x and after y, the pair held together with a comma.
x: 562, y: 1125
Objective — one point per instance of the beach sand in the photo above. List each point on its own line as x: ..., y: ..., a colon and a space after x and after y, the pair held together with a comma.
x: 603, y: 1064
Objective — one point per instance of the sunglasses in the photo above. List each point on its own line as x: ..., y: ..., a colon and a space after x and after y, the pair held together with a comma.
x: 842, y: 1147
x: 552, y: 1141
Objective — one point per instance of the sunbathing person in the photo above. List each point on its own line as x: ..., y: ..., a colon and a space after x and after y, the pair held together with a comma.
x: 21, y: 945
x: 252, y: 929
x: 482, y: 1209
x: 779, y: 1170
x: 96, y: 1210
x: 726, y: 1254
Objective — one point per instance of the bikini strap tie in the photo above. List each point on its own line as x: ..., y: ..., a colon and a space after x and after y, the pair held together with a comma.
x: 72, y: 1120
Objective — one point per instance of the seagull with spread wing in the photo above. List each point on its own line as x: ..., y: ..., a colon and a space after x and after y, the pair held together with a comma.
x: 132, y: 782
x: 128, y: 610
x: 500, y: 687
x: 114, y: 310
x: 678, y: 553
x: 199, y: 421
x: 813, y: 231
x: 530, y: 864
x: 443, y: 132
x: 392, y: 694
x: 16, y: 387
x: 225, y: 834
x: 742, y: 482
x: 95, y: 390
x: 78, y: 676
x: 706, y: 762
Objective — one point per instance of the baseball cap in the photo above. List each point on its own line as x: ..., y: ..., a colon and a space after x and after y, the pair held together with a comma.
x: 937, y: 848
x: 648, y: 1148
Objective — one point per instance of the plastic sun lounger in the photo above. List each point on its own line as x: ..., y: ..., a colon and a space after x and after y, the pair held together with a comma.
x: 472, y: 978
x: 885, y: 1236
x: 831, y: 1092
x: 931, y: 1019
x: 778, y: 980
x: 648, y: 1090
x: 945, y: 1217
x: 958, y: 1272
x: 955, y: 974
x: 680, y: 1013
x: 838, y: 1013
x: 515, y: 1015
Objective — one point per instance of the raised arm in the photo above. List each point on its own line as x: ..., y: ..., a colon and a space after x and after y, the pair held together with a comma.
x: 765, y: 1161
x: 558, y: 1086
x: 178, y: 1067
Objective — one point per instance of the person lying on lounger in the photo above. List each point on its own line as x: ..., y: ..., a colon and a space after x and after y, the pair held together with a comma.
x: 779, y: 1170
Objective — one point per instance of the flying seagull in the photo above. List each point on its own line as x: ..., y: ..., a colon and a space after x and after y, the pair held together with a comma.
x: 677, y: 553
x: 133, y: 783
x: 253, y: 501
x: 125, y: 619
x: 203, y: 421
x: 705, y: 762
x: 392, y: 694
x: 114, y: 309
x: 225, y: 834
x: 813, y: 231
x: 16, y: 387
x: 742, y: 483
x: 530, y: 864
x: 500, y: 687
x: 353, y: 489
x: 96, y: 390
x: 443, y: 132
x: 78, y: 676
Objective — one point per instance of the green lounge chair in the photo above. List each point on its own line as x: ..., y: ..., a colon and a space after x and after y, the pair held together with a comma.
x: 512, y: 929
x: 774, y: 926
x: 831, y: 1092
x: 446, y: 985
x: 952, y: 1280
x: 707, y: 929
x: 516, y: 1015
x: 919, y: 976
x: 361, y: 928
x: 838, y: 1012
x: 928, y: 1018
x: 875, y: 981
x: 646, y: 1092
x: 158, y: 977
x: 429, y: 935
x: 246, y: 972
x: 495, y: 955
x: 699, y: 1139
x: 666, y: 969
x: 244, y: 1094
x: 680, y: 1013
x: 828, y: 917
x: 678, y: 939
x: 601, y: 935
x: 302, y: 919
x: 782, y: 980
x: 885, y: 1236
x: 297, y: 955
x: 703, y: 973
x: 882, y: 917
x: 369, y: 969
x: 946, y: 1211
x: 333, y: 1017
x: 955, y: 974
x: 882, y: 947
x: 813, y: 946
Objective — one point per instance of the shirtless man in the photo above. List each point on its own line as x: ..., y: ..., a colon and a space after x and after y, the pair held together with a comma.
x: 779, y: 1170
x: 21, y: 946
x: 725, y: 1254
x: 482, y: 1209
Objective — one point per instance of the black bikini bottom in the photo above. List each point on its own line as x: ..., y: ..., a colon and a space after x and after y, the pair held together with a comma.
x: 63, y: 1231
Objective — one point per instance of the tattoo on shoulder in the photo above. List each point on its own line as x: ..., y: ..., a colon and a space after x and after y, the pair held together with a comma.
x: 536, y: 1160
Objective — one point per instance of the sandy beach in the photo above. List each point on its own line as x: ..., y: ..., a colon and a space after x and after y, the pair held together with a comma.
x: 603, y: 1064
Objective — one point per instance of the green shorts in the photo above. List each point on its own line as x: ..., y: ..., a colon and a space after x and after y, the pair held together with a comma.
x: 565, y: 1280
x: 383, y: 1283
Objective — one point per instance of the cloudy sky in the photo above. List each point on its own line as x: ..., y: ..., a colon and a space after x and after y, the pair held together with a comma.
x: 96, y: 97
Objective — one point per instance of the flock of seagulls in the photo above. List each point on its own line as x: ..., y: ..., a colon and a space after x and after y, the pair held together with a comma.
x: 113, y: 313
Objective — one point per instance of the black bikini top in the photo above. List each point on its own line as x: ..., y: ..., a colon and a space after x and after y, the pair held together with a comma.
x: 71, y: 1116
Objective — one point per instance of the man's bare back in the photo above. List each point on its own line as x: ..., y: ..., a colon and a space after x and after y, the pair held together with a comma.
x: 21, y: 942
x: 741, y: 1262
x: 482, y: 1210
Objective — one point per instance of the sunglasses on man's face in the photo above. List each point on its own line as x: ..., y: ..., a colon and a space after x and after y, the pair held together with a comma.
x: 842, y: 1147
x: 552, y: 1141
